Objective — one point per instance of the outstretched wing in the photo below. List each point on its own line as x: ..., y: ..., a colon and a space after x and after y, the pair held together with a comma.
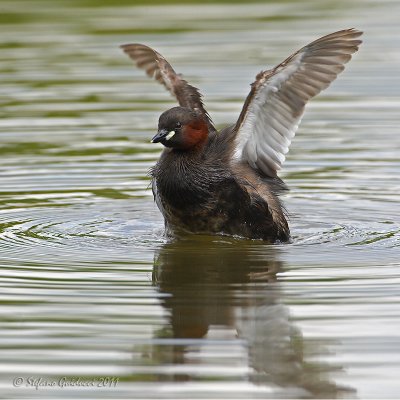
x: 275, y: 105
x: 158, y: 67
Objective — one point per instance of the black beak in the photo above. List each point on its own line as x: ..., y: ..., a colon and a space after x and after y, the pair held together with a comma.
x: 161, y: 134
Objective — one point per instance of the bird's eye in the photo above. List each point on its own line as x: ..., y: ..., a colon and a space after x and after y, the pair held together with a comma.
x: 178, y: 125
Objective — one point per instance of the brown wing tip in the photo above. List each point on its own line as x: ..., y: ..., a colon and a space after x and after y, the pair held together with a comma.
x: 353, y: 30
x: 140, y: 51
x: 344, y: 32
x: 355, y: 33
x: 133, y: 45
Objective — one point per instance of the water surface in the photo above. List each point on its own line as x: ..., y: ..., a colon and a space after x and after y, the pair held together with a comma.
x: 89, y: 286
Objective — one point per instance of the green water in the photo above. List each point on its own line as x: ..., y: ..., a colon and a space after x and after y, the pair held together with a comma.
x: 89, y: 286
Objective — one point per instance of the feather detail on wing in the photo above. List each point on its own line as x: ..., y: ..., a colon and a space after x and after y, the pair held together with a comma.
x: 158, y: 67
x: 275, y: 105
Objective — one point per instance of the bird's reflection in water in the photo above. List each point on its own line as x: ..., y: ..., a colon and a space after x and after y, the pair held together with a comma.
x: 228, y: 322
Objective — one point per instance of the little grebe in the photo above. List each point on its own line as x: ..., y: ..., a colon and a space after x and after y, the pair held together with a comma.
x: 226, y: 182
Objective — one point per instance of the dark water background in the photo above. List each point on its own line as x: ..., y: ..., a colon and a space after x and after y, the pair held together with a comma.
x: 90, y: 288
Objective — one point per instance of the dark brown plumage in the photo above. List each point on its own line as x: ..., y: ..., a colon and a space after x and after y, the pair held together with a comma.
x: 226, y: 182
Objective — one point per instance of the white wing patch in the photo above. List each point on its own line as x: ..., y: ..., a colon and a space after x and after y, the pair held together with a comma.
x: 275, y: 105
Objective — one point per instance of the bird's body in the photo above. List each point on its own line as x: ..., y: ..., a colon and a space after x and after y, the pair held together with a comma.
x: 226, y: 182
x: 204, y: 196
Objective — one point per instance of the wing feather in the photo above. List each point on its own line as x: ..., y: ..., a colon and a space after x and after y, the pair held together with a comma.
x: 157, y: 67
x: 275, y: 105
